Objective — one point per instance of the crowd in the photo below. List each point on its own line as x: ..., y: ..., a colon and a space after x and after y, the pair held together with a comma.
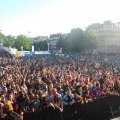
x: 49, y: 83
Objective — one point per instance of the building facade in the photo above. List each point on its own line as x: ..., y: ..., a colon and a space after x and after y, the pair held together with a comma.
x: 53, y: 40
x: 109, y: 36
x: 39, y: 38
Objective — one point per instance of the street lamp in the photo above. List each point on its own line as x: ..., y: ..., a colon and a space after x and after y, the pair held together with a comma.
x: 48, y: 47
x: 1, y: 44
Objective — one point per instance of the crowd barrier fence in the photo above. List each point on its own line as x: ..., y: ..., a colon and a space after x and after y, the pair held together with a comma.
x: 100, y: 108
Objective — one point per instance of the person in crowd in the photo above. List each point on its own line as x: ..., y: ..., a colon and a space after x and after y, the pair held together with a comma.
x: 49, y: 83
x: 68, y: 98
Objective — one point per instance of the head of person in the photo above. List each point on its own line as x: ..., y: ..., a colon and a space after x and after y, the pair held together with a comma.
x: 39, y: 80
x: 69, y: 92
x: 11, y: 96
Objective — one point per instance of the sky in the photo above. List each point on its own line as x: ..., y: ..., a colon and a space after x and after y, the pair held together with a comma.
x: 45, y: 17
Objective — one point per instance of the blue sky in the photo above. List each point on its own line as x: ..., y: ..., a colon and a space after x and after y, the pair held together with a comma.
x: 44, y: 17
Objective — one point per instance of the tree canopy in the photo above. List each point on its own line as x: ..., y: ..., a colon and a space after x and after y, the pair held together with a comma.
x: 78, y: 41
x: 24, y: 41
x: 9, y: 41
x: 20, y: 40
x: 40, y: 45
x: 75, y: 41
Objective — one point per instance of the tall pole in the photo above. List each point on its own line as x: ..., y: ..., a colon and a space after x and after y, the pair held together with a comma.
x: 29, y: 32
x: 1, y: 44
x: 48, y: 47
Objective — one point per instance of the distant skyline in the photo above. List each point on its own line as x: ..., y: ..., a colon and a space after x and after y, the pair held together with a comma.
x: 45, y: 17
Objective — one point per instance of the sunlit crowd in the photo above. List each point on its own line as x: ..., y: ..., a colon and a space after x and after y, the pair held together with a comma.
x: 31, y: 84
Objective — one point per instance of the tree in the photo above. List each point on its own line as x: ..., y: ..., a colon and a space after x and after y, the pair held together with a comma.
x: 63, y: 42
x: 78, y: 41
x: 9, y: 41
x: 24, y: 41
x: 2, y: 37
x: 40, y: 45
x: 93, y: 37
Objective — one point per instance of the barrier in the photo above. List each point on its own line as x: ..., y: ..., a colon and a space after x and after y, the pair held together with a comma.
x: 100, y: 108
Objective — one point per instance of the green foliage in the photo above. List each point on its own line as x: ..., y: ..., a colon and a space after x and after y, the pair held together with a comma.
x: 78, y: 41
x: 75, y: 41
x: 63, y: 42
x: 24, y: 41
x: 40, y: 45
x: 9, y: 41
x: 2, y: 37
